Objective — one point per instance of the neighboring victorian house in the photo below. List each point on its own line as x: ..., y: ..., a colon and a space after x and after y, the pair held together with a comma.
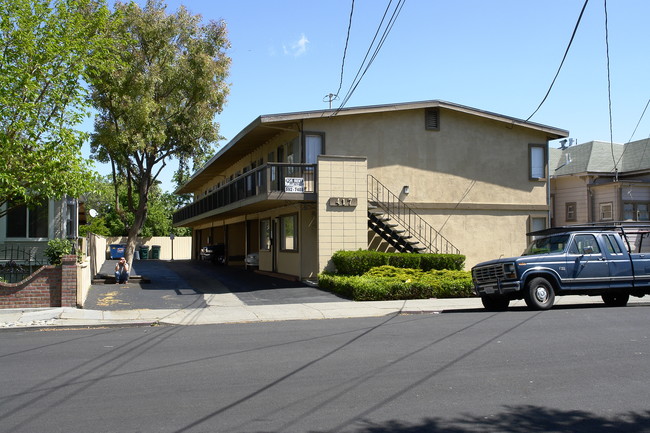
x: 29, y: 229
x: 598, y: 182
x: 425, y: 176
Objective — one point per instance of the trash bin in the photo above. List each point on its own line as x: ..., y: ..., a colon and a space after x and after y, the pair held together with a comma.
x: 155, y: 252
x: 117, y: 251
x: 144, y: 252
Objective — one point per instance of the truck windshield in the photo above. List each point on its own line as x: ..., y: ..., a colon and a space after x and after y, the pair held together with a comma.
x: 547, y: 245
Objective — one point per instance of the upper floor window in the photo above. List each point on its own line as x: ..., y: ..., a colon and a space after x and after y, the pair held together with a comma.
x: 24, y: 222
x: 313, y: 148
x: 537, y: 162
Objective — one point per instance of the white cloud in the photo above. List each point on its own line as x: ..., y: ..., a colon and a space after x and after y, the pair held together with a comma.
x: 297, y: 48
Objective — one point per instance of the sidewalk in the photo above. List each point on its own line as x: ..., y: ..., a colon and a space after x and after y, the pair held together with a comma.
x: 227, y: 308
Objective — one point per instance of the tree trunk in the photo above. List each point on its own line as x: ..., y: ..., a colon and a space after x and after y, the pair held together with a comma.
x: 140, y: 217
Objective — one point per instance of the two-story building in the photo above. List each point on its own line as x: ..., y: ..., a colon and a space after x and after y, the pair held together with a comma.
x: 428, y: 176
x: 600, y: 182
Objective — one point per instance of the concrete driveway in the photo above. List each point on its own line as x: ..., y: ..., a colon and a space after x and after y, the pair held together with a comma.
x: 191, y: 284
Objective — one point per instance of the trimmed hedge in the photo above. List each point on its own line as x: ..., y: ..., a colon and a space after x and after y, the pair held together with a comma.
x: 393, y: 283
x: 361, y: 261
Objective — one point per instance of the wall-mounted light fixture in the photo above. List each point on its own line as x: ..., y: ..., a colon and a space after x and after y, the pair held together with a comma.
x: 405, y: 190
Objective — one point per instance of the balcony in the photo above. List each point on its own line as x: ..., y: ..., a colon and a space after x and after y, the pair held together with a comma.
x: 256, y: 190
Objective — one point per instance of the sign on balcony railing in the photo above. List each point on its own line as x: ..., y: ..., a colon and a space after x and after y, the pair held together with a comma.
x: 294, y: 184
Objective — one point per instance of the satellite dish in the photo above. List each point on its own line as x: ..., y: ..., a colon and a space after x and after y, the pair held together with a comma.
x: 93, y: 213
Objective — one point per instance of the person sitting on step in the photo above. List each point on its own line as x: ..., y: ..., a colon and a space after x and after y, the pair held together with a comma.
x: 122, y: 271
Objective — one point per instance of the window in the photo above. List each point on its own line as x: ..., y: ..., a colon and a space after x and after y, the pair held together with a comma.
x: 537, y: 161
x: 313, y: 148
x: 288, y: 233
x: 571, y: 211
x: 432, y: 119
x: 606, y: 212
x: 71, y: 218
x: 584, y: 244
x: 537, y: 223
x: 23, y: 222
x: 265, y: 235
x: 636, y: 211
x: 612, y: 245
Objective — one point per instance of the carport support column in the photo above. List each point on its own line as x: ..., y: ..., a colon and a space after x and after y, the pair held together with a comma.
x: 342, y: 206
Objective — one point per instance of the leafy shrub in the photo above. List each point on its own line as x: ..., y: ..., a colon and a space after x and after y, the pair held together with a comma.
x: 389, y: 282
x: 442, y: 261
x: 358, y: 262
x: 361, y: 261
x: 405, y: 260
x: 57, y: 248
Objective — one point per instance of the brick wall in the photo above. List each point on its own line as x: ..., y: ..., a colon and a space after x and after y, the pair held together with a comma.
x: 50, y: 286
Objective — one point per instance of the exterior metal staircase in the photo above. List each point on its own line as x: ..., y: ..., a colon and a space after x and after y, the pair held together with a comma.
x: 400, y: 226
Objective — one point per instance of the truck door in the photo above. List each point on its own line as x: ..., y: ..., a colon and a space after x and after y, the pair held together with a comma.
x: 587, y: 266
x: 620, y: 268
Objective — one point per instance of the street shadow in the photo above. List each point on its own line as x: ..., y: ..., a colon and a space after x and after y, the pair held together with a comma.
x: 520, y: 419
x: 561, y: 307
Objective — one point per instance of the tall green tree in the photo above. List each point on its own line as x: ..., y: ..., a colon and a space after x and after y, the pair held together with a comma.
x: 160, y: 101
x: 47, y: 48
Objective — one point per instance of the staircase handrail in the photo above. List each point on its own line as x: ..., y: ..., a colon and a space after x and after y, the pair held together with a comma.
x: 415, y: 226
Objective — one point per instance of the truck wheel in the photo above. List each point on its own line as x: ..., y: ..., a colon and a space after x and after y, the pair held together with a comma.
x: 539, y: 294
x: 495, y: 303
x: 616, y: 299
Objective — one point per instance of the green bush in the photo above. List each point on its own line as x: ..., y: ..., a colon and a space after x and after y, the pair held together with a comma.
x: 57, y: 248
x: 358, y: 262
x: 405, y: 260
x: 442, y: 261
x: 361, y: 261
x: 389, y: 283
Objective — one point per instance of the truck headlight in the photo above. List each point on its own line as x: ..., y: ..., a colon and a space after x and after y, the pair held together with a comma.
x: 510, y: 271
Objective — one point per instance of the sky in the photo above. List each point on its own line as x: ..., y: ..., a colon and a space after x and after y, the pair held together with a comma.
x: 499, y: 56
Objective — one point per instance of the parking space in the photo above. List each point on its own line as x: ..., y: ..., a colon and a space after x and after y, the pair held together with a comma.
x: 183, y: 284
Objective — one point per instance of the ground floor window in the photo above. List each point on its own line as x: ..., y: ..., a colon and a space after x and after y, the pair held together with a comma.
x: 570, y: 212
x: 28, y: 222
x: 289, y: 233
x: 606, y: 211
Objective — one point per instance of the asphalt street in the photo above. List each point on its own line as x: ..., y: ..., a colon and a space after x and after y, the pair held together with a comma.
x: 569, y: 369
x: 183, y: 284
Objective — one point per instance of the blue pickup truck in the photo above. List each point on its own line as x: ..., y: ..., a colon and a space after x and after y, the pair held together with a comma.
x: 608, y: 261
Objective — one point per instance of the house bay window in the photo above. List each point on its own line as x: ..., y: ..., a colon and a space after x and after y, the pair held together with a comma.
x: 28, y: 222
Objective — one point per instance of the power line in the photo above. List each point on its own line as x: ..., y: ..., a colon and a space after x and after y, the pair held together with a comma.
x: 345, y: 50
x: 609, y: 96
x: 639, y: 122
x: 575, y: 29
x: 382, y: 39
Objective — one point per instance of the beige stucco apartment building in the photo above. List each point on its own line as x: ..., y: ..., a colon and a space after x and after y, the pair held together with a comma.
x: 425, y: 176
